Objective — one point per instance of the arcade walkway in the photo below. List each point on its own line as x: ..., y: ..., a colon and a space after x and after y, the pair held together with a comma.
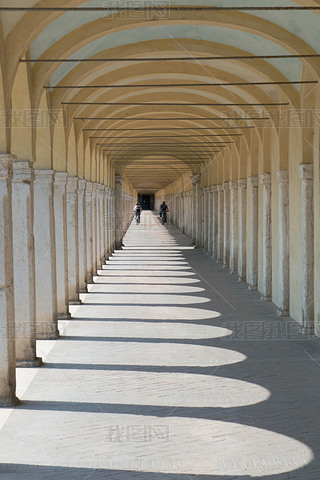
x: 169, y: 370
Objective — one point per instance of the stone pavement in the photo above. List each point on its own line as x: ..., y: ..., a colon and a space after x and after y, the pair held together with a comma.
x: 169, y: 370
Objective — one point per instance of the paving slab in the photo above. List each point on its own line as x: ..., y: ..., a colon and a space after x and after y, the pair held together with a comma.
x: 167, y: 374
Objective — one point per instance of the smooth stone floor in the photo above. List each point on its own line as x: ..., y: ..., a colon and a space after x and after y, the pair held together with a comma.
x: 169, y: 370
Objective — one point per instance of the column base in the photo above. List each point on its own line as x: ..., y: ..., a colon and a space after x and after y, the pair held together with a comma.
x: 30, y: 364
x: 48, y: 336
x: 9, y: 402
x: 282, y: 313
x: 264, y: 298
x: 75, y: 302
x: 308, y: 330
x: 64, y: 316
x: 83, y: 290
x: 241, y: 278
x: 252, y: 287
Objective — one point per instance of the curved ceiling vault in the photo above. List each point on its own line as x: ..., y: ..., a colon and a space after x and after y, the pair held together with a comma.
x: 147, y: 117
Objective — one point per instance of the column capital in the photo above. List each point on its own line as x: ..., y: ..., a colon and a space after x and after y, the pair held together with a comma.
x: 82, y: 184
x: 72, y: 184
x: 214, y: 188
x: 44, y: 176
x: 226, y: 185
x: 234, y: 185
x: 22, y: 171
x: 195, y: 178
x: 265, y: 178
x: 306, y: 171
x: 94, y: 186
x: 242, y: 183
x: 283, y: 176
x: 119, y: 179
x: 253, y: 181
x: 220, y: 187
x: 89, y: 188
x: 61, y: 178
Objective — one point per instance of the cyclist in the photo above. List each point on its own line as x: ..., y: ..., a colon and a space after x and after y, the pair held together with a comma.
x: 137, y: 212
x: 163, y: 211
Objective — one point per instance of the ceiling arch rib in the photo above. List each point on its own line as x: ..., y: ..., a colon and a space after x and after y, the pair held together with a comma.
x: 198, y: 33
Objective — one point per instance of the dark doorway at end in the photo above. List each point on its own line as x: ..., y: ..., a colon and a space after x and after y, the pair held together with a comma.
x: 146, y: 201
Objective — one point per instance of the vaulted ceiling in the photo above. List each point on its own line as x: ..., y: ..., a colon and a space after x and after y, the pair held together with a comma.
x: 157, y: 118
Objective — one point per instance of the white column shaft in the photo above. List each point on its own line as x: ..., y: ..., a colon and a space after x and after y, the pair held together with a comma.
x: 89, y: 229
x: 210, y: 221
x: 284, y: 252
x: 45, y: 256
x: 73, y: 239
x: 265, y: 180
x: 307, y: 247
x: 242, y: 230
x: 24, y: 263
x: 220, y: 222
x: 60, y: 217
x: 226, y: 224
x: 7, y: 338
x: 82, y: 236
x: 253, y: 229
x: 234, y: 226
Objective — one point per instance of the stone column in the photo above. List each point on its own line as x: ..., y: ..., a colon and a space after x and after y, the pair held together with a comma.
x: 265, y: 180
x: 73, y: 239
x: 210, y: 221
x: 89, y: 228
x: 234, y: 226
x: 45, y: 256
x: 118, y: 212
x: 205, y: 219
x: 195, y: 179
x: 24, y: 264
x: 215, y: 229
x: 307, y: 248
x: 94, y: 228
x: 253, y: 229
x: 107, y: 221
x: 226, y: 224
x: 284, y: 247
x: 7, y: 331
x: 102, y: 225
x: 242, y: 230
x: 60, y: 217
x: 113, y: 220
x: 82, y: 236
x: 106, y: 233
x: 220, y: 222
